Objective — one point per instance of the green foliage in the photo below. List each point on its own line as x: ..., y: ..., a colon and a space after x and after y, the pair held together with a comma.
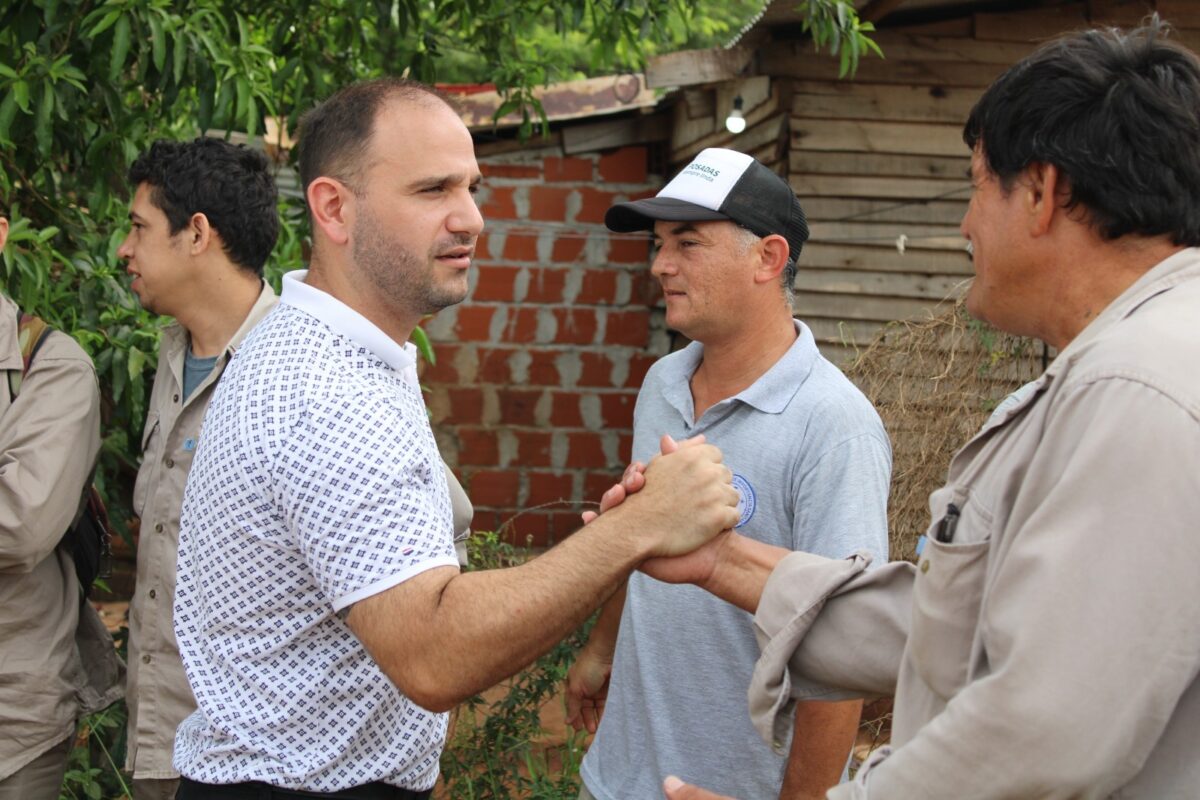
x: 86, y: 85
x: 497, y: 749
x: 94, y: 764
x: 92, y: 767
x: 835, y: 24
x: 568, y: 43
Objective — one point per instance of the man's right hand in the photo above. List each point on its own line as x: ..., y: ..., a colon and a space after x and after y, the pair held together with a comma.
x: 688, y: 499
x: 587, y: 689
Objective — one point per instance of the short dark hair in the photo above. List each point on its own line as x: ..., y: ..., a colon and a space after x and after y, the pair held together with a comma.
x: 334, y: 136
x: 1118, y: 113
x: 230, y: 184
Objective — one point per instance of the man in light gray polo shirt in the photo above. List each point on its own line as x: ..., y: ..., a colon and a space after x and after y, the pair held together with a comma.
x: 811, y: 463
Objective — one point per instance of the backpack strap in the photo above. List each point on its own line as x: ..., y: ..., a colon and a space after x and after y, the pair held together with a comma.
x: 31, y: 334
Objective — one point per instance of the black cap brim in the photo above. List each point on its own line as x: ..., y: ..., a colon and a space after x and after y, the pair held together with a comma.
x: 640, y: 215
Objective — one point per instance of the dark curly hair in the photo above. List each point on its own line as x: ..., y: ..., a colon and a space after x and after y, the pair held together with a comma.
x: 1118, y: 113
x: 230, y: 184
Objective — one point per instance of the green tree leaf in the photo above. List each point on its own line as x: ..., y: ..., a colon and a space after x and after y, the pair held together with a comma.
x: 20, y: 93
x: 120, y: 47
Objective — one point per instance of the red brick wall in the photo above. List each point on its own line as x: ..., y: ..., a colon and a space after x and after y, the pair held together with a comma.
x: 537, y: 372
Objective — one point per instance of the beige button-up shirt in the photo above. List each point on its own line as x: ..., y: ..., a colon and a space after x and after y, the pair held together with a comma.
x: 157, y: 694
x: 1051, y: 648
x: 57, y: 661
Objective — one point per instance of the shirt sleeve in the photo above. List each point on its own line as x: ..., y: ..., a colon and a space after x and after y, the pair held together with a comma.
x: 1091, y: 623
x: 364, y: 495
x: 841, y: 501
x: 48, y: 444
x: 828, y: 629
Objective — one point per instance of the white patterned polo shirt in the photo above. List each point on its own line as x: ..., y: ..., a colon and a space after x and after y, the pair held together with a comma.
x: 317, y: 484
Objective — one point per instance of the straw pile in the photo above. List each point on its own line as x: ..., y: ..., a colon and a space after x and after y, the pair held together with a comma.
x: 934, y: 382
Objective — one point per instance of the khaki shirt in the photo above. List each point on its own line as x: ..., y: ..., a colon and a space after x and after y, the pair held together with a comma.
x: 57, y: 661
x: 1052, y: 648
x: 158, y: 694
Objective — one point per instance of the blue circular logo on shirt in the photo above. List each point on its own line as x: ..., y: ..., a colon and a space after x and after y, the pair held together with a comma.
x: 746, y: 499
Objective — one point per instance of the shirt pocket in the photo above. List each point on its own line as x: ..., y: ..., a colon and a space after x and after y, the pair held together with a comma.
x: 948, y: 594
x: 150, y: 437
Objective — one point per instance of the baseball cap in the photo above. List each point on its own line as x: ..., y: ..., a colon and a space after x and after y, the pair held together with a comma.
x: 720, y: 184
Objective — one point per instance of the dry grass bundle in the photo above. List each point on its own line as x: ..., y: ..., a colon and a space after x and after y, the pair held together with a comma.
x: 934, y: 382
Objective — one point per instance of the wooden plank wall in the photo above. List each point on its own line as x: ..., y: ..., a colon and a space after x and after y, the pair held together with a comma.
x: 880, y: 166
x: 881, y: 157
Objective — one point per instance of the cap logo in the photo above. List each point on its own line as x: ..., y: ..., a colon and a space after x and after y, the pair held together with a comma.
x: 703, y: 171
x: 707, y: 180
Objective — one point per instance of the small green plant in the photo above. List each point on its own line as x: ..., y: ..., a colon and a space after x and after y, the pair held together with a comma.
x: 92, y: 770
x: 498, y: 748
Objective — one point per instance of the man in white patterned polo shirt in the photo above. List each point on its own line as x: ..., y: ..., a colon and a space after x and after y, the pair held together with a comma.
x: 321, y: 615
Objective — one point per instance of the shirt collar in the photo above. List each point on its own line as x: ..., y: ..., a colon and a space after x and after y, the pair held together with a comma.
x: 344, y: 320
x: 1163, y: 276
x: 770, y: 393
x: 1167, y: 274
x: 175, y: 342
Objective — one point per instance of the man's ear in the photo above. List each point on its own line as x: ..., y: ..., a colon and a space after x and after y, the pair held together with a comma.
x: 1047, y: 192
x: 3, y: 231
x: 331, y: 204
x: 200, y: 233
x: 773, y: 257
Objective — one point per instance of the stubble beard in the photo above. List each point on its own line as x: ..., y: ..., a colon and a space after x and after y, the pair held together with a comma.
x: 403, y: 279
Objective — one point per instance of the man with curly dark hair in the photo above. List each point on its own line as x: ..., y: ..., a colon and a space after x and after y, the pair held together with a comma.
x: 203, y: 222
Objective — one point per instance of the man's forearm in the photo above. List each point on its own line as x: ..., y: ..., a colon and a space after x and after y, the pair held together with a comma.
x: 824, y: 735
x: 603, y: 637
x: 443, y: 646
x: 742, y: 568
x: 442, y: 636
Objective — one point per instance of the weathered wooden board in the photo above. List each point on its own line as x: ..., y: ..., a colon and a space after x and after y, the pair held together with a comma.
x: 898, y: 165
x: 857, y: 100
x: 883, y: 257
x: 797, y: 60
x: 1181, y: 13
x: 929, y: 236
x: 692, y: 67
x: 929, y: 139
x: 765, y: 124
x: 848, y: 209
x: 923, y: 286
x: 616, y: 133
x: 919, y: 189
x: 899, y: 46
x: 1032, y: 25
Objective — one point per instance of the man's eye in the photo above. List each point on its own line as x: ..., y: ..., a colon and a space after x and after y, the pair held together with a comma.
x: 473, y: 188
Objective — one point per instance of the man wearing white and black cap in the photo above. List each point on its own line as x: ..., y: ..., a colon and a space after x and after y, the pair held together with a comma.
x: 811, y: 462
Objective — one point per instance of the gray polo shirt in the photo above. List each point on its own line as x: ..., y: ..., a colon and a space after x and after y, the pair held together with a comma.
x: 812, y: 463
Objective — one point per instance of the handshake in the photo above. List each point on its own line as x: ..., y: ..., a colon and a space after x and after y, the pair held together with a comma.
x: 686, y: 505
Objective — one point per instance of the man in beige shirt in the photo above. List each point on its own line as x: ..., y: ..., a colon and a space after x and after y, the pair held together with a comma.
x: 1047, y: 642
x: 57, y: 662
x: 203, y: 221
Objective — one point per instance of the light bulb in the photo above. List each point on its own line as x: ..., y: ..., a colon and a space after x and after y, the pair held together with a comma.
x: 736, y: 122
